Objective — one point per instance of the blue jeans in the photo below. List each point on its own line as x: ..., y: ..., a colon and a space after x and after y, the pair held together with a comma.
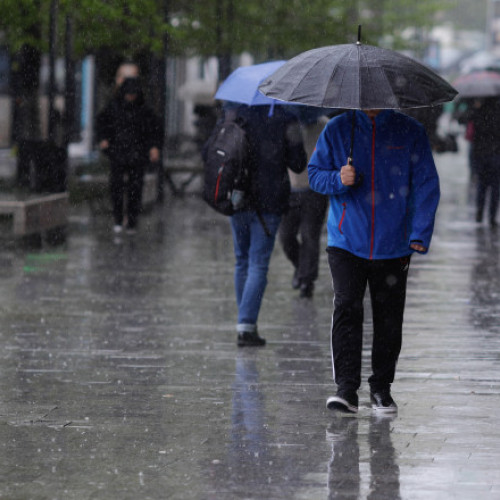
x: 252, y: 249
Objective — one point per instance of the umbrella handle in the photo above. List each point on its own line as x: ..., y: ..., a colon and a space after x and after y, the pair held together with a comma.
x: 353, y: 126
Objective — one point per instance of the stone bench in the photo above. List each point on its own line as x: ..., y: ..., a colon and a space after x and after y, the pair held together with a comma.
x: 35, y: 213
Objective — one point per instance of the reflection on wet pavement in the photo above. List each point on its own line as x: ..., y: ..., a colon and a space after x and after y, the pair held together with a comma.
x: 121, y: 379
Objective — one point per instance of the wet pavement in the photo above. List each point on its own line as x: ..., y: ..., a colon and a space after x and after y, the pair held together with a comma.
x: 121, y: 379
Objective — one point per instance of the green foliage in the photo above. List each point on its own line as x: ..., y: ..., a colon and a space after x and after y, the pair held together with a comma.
x: 282, y: 28
x: 21, y: 22
x: 277, y: 28
x: 266, y: 28
x: 124, y: 25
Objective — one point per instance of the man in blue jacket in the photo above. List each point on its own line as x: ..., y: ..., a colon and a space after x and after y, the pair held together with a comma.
x: 383, y: 203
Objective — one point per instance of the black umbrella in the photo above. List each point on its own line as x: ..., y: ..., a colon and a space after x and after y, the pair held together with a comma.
x: 357, y: 76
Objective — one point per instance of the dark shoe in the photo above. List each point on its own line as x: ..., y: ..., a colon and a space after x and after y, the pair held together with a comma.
x: 479, y: 217
x: 250, y: 339
x: 306, y: 290
x: 493, y: 224
x: 295, y: 281
x: 382, y: 401
x: 346, y: 402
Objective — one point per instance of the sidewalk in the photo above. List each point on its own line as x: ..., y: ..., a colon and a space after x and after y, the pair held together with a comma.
x: 121, y: 379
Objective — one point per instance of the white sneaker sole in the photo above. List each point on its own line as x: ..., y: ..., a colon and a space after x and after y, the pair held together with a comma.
x: 385, y: 409
x: 338, y: 403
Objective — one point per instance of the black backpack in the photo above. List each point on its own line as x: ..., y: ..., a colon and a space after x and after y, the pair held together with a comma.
x: 226, y: 159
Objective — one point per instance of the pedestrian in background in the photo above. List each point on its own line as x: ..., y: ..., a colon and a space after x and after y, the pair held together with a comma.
x: 382, y: 210
x: 483, y: 117
x: 275, y: 144
x: 129, y: 133
x: 125, y: 70
x: 305, y: 217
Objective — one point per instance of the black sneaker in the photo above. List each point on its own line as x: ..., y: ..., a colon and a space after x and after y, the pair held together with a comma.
x: 382, y: 401
x: 346, y: 402
x: 250, y: 339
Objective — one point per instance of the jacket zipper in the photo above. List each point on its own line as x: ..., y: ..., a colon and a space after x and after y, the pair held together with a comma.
x: 344, y: 205
x: 372, y: 236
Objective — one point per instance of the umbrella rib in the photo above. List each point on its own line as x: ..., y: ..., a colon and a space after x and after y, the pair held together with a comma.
x: 387, y: 81
x: 316, y: 63
x: 334, y: 72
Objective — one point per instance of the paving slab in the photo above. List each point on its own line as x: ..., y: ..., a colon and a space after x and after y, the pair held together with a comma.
x: 121, y: 379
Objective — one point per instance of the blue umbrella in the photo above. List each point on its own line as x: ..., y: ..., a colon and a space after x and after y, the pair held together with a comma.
x: 242, y: 85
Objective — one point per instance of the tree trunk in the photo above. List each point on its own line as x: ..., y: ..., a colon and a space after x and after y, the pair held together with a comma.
x: 223, y: 35
x: 25, y: 85
x: 53, y: 119
x: 70, y: 85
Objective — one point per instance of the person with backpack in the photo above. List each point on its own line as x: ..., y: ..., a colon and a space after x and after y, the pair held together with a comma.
x: 274, y: 143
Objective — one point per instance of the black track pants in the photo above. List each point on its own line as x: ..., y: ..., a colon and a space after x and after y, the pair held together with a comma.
x: 386, y: 280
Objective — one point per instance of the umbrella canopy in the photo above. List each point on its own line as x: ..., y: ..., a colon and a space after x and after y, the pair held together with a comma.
x: 357, y: 76
x: 242, y: 85
x: 478, y: 84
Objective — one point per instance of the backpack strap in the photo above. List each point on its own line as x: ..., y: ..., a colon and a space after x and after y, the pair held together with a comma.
x: 232, y: 115
x: 263, y: 222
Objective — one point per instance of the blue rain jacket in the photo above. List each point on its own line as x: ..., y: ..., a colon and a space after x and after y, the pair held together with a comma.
x: 395, y: 199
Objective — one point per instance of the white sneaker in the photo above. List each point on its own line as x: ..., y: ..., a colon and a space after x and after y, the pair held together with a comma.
x: 117, y: 229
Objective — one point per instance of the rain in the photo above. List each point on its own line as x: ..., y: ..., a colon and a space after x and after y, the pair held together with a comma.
x: 120, y: 374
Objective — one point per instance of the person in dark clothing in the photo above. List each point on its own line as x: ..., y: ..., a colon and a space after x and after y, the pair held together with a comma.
x: 300, y: 229
x: 130, y: 134
x: 484, y: 117
x: 275, y: 143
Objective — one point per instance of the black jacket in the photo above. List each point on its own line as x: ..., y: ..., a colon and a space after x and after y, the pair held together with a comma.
x: 276, y: 144
x: 486, y: 120
x: 132, y: 129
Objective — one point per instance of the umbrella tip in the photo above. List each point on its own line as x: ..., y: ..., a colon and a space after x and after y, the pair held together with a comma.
x: 359, y: 35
